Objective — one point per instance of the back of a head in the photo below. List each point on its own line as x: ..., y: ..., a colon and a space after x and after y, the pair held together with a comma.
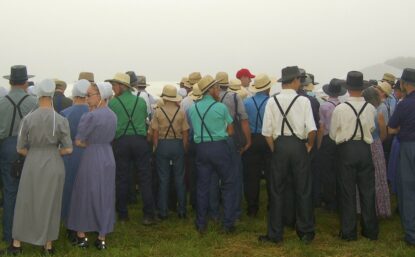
x: 371, y: 96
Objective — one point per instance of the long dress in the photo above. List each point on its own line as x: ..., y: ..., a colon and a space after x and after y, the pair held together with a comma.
x: 92, y: 206
x: 38, y: 203
x: 73, y: 114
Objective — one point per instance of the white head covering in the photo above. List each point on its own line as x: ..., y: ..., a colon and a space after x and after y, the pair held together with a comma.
x: 182, y: 92
x: 105, y: 90
x: 80, y: 87
x: 45, y: 87
x: 3, y: 91
x: 31, y: 90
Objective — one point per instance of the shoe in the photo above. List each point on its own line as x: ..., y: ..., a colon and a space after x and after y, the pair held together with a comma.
x: 182, y: 216
x: 46, y: 252
x: 267, y: 239
x: 371, y: 238
x: 71, y: 235
x: 162, y: 217
x: 12, y: 250
x: 148, y: 221
x: 81, y: 242
x: 347, y: 238
x: 100, y: 244
x: 229, y: 230
x: 307, y: 238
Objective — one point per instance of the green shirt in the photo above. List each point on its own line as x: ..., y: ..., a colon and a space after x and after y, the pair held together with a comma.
x: 6, y: 111
x: 137, y: 125
x: 216, y: 120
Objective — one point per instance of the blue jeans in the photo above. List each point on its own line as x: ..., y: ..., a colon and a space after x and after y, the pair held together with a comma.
x: 171, y: 150
x: 8, y: 155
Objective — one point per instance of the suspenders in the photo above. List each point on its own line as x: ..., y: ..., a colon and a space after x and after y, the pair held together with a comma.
x: 284, y: 115
x: 358, y: 122
x: 258, y: 114
x: 15, y: 107
x: 223, y: 97
x: 130, y: 117
x: 333, y: 103
x: 202, y: 118
x: 170, y: 122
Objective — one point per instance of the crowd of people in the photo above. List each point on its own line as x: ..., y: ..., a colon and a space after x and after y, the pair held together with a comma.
x: 76, y: 160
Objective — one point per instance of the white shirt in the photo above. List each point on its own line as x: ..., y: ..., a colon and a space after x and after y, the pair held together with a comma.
x: 186, y: 103
x: 146, y: 99
x: 300, y: 116
x: 343, y: 121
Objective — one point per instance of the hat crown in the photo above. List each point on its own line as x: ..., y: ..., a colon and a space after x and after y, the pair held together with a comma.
x: 222, y: 78
x: 385, y: 87
x: 122, y: 77
x: 169, y: 91
x: 235, y: 84
x: 244, y: 73
x: 133, y: 77
x: 261, y: 81
x: 408, y: 75
x: 355, y: 79
x: 196, y: 90
x: 86, y: 75
x: 141, y: 80
x: 290, y: 72
x: 206, y: 82
x: 60, y: 83
x: 18, y: 73
x: 194, y: 77
x: 389, y: 77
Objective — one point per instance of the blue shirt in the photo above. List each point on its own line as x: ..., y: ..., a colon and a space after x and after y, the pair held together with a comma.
x: 404, y: 117
x: 255, y: 118
x: 74, y: 114
x: 216, y: 120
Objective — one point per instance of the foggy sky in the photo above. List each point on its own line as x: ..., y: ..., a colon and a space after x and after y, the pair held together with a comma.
x: 167, y: 39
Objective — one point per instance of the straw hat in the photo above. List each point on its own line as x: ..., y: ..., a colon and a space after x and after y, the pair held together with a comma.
x: 196, y: 93
x: 170, y: 94
x: 235, y: 85
x: 222, y: 78
x: 86, y: 75
x: 390, y: 78
x: 121, y: 78
x: 60, y: 84
x: 206, y: 82
x: 194, y: 78
x: 385, y: 87
x: 185, y: 82
x: 261, y: 83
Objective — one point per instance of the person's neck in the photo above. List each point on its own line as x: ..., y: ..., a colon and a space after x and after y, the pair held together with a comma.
x: 355, y: 93
x: 22, y: 87
x: 79, y: 101
x: 288, y: 86
x: 45, y: 102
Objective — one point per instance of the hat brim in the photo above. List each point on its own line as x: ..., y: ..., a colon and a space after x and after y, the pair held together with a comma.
x: 185, y: 85
x: 214, y: 82
x: 252, y: 88
x: 119, y: 82
x: 28, y: 77
x: 142, y: 85
x: 329, y: 93
x: 365, y: 85
x: 299, y: 76
x: 178, y: 98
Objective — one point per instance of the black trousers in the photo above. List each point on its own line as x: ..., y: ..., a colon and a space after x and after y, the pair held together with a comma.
x: 256, y: 162
x: 290, y: 159
x: 326, y: 163
x: 356, y: 168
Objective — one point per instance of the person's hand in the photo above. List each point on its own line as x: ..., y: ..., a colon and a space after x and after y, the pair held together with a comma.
x: 309, y: 147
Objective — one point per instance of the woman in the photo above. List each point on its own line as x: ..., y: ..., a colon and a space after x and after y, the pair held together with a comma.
x: 383, y: 206
x: 38, y: 203
x: 92, y: 206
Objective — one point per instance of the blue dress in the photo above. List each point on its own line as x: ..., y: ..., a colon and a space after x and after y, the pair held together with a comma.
x: 92, y: 206
x: 73, y: 114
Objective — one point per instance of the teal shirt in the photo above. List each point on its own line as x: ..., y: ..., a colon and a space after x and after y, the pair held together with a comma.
x: 216, y: 120
x: 138, y: 119
x: 6, y: 111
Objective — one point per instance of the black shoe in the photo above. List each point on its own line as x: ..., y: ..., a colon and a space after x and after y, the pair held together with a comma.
x: 100, y: 244
x: 229, y: 230
x: 148, y: 221
x: 267, y: 239
x: 12, y: 250
x: 71, y: 235
x: 81, y: 242
x: 46, y: 252
x: 347, y: 238
x: 162, y: 217
x: 182, y: 216
x: 307, y: 238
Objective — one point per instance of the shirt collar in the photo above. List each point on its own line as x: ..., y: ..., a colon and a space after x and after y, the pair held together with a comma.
x: 208, y: 97
x: 288, y: 92
x: 333, y: 99
x: 16, y: 90
x: 356, y: 99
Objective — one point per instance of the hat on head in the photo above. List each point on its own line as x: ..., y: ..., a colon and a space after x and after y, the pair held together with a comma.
x: 185, y: 82
x: 121, y: 78
x: 133, y: 78
x: 312, y: 79
x: 235, y: 85
x: 355, y: 81
x: 408, y: 75
x: 80, y: 88
x: 45, y: 87
x: 222, y: 78
x: 307, y: 81
x: 141, y: 81
x: 334, y: 88
x: 244, y: 73
x: 18, y: 73
x: 289, y: 73
x: 397, y: 85
x: 170, y: 94
x: 105, y: 89
x: 194, y: 78
x: 385, y: 87
x: 261, y: 83
x: 196, y: 93
x: 60, y: 84
x: 390, y: 78
x: 206, y: 82
x: 86, y: 75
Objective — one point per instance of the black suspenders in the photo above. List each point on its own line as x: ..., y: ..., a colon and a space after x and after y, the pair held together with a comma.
x: 170, y: 122
x: 284, y: 115
x: 223, y: 97
x: 202, y: 118
x: 258, y: 114
x: 15, y: 107
x: 358, y: 122
x: 130, y: 117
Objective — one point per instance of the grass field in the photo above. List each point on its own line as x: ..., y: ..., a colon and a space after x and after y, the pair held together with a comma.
x: 174, y: 237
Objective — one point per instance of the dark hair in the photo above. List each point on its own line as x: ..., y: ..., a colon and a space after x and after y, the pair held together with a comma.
x: 288, y: 81
x: 17, y: 82
x: 371, y: 96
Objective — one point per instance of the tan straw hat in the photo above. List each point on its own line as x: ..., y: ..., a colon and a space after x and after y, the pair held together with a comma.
x: 170, y: 94
x: 206, y: 82
x: 385, y: 87
x: 194, y: 78
x: 390, y: 78
x: 235, y: 85
x: 196, y: 93
x: 222, y: 78
x: 185, y: 82
x: 261, y: 83
x: 121, y: 78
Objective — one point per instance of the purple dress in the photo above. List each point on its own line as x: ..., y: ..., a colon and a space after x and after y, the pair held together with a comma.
x: 92, y: 206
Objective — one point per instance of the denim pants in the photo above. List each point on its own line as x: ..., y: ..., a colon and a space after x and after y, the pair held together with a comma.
x: 8, y: 155
x: 171, y: 151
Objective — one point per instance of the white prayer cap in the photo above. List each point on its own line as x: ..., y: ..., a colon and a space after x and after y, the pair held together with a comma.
x: 45, y: 87
x: 3, y: 91
x: 105, y: 90
x: 182, y: 92
x: 80, y: 87
x: 31, y: 90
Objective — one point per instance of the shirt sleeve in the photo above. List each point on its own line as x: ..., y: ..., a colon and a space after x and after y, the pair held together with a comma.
x: 267, y: 125
x: 185, y: 124
x: 334, y: 124
x: 323, y: 112
x: 85, y: 127
x: 22, y: 139
x: 241, y: 108
x: 310, y: 122
x: 155, y: 121
x: 65, y: 134
x: 228, y: 117
x: 395, y: 119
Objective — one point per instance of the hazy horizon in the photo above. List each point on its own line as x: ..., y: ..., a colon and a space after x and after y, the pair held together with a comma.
x: 166, y: 40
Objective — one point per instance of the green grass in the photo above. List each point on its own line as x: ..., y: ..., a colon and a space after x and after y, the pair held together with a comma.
x: 175, y: 237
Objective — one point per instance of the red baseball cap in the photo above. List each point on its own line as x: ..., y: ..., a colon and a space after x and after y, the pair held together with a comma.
x: 244, y: 73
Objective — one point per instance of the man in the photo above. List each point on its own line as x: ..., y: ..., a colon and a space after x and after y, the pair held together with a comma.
x: 60, y: 101
x: 141, y: 90
x: 184, y: 84
x: 141, y: 86
x: 212, y: 125
x: 289, y: 130
x: 13, y: 107
x: 245, y: 76
x: 327, y: 147
x: 194, y: 77
x: 351, y: 125
x: 402, y: 123
x: 256, y: 159
x: 389, y: 78
x: 130, y: 144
